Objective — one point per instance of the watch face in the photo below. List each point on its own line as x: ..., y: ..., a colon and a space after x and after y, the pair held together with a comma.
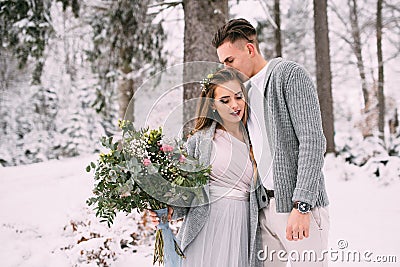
x: 304, y: 207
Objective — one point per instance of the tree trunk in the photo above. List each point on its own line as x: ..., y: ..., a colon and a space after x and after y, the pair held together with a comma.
x: 357, y: 48
x: 323, y: 67
x: 278, y: 39
x: 125, y: 92
x: 202, y: 19
x: 394, y: 123
x: 394, y: 134
x: 381, y: 96
x: 370, y: 112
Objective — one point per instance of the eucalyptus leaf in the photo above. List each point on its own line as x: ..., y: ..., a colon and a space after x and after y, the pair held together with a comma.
x: 131, y: 180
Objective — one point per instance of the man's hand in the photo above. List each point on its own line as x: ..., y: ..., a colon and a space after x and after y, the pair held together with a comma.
x: 298, y: 226
x: 155, y: 219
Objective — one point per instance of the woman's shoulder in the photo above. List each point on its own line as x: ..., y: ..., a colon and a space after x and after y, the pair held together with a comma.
x: 205, y: 132
x: 199, y: 137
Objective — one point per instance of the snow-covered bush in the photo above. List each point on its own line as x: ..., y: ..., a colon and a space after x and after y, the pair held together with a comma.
x: 372, y: 156
x: 91, y: 243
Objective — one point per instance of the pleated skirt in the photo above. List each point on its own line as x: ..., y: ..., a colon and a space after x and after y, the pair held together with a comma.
x: 224, y: 239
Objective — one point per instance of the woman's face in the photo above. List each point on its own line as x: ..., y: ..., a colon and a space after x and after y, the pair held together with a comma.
x: 229, y: 102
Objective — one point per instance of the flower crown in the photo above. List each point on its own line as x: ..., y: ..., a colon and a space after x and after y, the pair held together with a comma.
x: 206, y: 82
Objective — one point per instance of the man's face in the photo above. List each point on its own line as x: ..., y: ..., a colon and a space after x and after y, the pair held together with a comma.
x: 237, y: 56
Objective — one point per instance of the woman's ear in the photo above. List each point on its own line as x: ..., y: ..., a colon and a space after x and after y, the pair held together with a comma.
x: 212, y: 106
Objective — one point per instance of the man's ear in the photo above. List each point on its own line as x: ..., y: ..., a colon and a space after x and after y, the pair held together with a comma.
x: 251, y: 49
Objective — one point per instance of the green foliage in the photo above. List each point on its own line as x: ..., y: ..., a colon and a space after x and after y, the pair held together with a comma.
x: 125, y: 38
x: 25, y: 28
x: 126, y: 176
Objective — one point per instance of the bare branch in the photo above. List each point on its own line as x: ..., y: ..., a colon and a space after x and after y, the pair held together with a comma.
x: 269, y: 18
x: 169, y: 4
x: 336, y: 11
x: 391, y: 6
x: 343, y: 37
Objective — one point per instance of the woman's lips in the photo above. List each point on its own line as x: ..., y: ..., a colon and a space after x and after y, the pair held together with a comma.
x: 236, y: 113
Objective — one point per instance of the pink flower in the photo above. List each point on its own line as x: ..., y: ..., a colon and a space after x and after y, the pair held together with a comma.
x: 182, y: 159
x: 126, y: 194
x: 166, y: 148
x: 146, y: 162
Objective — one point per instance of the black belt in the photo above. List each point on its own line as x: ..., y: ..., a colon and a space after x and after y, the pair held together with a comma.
x: 270, y: 193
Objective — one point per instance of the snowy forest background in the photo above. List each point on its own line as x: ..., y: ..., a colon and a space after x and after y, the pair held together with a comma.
x: 69, y: 68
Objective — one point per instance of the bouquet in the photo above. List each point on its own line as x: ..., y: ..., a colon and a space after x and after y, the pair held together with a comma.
x: 143, y: 171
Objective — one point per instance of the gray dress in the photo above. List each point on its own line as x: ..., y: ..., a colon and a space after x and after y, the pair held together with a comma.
x: 224, y: 238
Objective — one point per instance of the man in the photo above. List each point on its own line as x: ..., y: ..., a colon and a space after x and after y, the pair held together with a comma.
x: 286, y: 133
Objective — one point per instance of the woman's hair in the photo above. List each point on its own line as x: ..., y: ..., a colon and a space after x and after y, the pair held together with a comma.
x: 205, y: 115
x: 236, y: 29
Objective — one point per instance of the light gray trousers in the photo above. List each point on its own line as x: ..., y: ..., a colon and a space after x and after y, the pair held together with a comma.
x: 277, y: 250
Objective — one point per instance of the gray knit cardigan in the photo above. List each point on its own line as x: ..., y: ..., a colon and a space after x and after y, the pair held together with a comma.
x: 294, y: 129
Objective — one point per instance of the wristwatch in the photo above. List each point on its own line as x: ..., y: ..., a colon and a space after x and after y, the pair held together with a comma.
x: 302, y: 207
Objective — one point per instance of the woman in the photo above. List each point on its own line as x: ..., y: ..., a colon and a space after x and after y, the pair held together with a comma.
x: 222, y: 232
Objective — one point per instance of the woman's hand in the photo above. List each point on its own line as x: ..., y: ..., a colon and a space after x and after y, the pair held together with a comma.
x: 155, y: 220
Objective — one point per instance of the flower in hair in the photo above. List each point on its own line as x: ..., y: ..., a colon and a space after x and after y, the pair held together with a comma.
x: 206, y: 82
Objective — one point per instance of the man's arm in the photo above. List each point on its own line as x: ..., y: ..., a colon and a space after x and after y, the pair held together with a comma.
x: 303, y: 105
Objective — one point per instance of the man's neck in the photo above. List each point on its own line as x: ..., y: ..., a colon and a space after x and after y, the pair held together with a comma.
x: 259, y: 65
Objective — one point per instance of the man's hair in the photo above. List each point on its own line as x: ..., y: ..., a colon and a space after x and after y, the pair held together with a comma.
x: 233, y: 30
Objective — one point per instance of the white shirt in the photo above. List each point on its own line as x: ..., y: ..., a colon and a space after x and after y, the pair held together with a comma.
x: 258, y: 130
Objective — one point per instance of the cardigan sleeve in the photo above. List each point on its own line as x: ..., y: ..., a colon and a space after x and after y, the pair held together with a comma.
x: 303, y: 106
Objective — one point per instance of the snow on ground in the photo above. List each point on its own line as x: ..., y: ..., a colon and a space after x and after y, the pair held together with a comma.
x: 44, y: 220
x: 364, y: 212
x: 44, y: 216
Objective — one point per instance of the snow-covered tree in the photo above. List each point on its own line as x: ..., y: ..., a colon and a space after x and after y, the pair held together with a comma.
x: 53, y: 119
x: 25, y: 28
x: 356, y: 28
x: 296, y: 27
x: 127, y: 44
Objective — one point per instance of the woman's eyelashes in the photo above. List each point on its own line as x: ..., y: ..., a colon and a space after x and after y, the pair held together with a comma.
x: 226, y: 101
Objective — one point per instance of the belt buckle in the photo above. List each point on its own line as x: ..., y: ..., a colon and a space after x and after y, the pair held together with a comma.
x: 270, y: 193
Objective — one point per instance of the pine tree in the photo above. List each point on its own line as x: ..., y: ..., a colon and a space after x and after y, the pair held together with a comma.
x: 25, y: 28
x: 127, y: 45
x: 54, y: 119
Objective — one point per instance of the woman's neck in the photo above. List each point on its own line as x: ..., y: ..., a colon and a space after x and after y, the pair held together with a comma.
x: 233, y: 129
